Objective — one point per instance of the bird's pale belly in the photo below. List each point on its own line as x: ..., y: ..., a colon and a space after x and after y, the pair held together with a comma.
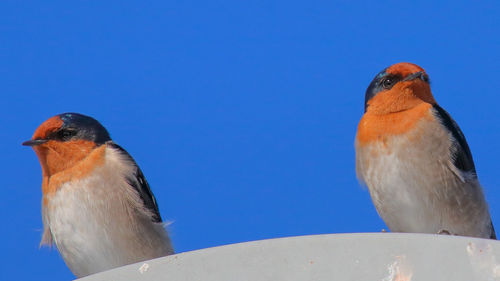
x: 404, y: 197
x: 415, y: 190
x: 92, y: 232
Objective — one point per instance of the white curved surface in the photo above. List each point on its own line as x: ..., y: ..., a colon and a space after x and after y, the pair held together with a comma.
x: 357, y: 257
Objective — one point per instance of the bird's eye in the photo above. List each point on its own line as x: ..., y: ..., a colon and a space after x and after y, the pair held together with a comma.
x: 66, y: 134
x: 387, y: 83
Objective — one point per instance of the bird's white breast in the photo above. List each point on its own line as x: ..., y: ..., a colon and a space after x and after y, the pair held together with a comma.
x: 99, y: 222
x: 414, y: 186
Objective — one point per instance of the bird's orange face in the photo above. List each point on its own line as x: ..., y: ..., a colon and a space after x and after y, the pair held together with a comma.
x: 398, y: 98
x: 54, y: 152
x: 398, y: 88
x: 69, y: 146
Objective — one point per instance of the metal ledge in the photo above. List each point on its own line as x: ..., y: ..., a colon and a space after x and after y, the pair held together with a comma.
x: 357, y: 257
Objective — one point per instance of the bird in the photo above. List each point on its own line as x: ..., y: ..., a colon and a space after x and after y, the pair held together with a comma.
x: 415, y: 161
x: 97, y: 207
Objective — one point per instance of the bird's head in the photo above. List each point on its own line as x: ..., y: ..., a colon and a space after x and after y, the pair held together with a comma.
x: 399, y: 87
x: 63, y: 140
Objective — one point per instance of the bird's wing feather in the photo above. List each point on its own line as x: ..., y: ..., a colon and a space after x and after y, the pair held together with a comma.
x: 139, y: 183
x: 463, y: 164
x: 493, y: 234
x: 462, y: 157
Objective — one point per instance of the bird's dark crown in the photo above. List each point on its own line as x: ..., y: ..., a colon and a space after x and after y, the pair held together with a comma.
x: 79, y: 126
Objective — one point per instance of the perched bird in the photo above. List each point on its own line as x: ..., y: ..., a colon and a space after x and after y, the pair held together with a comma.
x: 415, y: 161
x: 97, y: 206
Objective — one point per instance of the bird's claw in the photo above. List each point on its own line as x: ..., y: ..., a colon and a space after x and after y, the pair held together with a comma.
x: 444, y: 231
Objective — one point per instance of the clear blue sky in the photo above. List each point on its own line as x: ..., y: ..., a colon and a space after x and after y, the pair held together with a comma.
x: 242, y: 114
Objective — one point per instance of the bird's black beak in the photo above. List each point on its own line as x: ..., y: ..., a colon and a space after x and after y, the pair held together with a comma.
x: 417, y: 75
x: 34, y: 142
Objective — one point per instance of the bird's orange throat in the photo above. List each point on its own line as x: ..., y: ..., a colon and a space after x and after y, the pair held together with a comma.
x: 403, y: 96
x: 395, y: 111
x: 66, y: 161
x: 377, y: 127
x: 57, y: 156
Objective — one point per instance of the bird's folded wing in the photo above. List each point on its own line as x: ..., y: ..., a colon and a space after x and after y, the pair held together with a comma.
x: 462, y: 163
x: 140, y: 184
